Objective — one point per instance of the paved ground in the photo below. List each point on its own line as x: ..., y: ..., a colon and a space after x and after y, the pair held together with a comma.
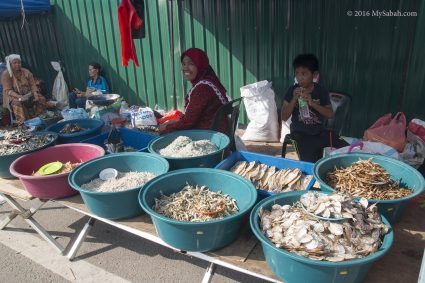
x: 112, y: 255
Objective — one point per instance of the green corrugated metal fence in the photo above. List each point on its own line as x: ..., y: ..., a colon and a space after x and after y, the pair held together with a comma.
x: 379, y: 61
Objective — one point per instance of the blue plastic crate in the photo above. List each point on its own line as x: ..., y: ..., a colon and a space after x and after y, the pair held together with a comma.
x: 134, y: 138
x: 278, y: 162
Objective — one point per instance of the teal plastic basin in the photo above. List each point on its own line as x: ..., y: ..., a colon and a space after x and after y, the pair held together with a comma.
x: 292, y: 268
x: 6, y: 160
x: 92, y: 128
x: 199, y: 236
x: 409, y: 176
x: 208, y: 161
x: 115, y: 205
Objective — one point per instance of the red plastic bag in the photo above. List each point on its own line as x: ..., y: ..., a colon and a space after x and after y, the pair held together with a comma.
x: 417, y: 127
x: 169, y: 116
x: 390, y: 131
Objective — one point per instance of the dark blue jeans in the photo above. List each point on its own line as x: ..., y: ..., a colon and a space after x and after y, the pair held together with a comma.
x: 75, y: 101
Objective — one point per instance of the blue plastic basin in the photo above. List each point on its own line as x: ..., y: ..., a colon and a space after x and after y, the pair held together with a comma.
x: 6, y: 160
x: 293, y: 268
x: 408, y: 176
x: 92, y: 126
x: 208, y: 161
x: 278, y: 162
x: 121, y: 204
x: 136, y: 139
x: 199, y: 236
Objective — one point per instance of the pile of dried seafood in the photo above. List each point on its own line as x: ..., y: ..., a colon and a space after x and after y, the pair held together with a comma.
x: 295, y: 230
x: 124, y: 181
x: 196, y: 204
x: 367, y: 179
x: 269, y: 178
x: 66, y: 168
x: 184, y: 146
x: 16, y: 141
x: 151, y: 129
x: 71, y: 128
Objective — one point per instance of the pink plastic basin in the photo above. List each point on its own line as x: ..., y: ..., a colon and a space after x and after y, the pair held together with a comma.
x: 52, y: 186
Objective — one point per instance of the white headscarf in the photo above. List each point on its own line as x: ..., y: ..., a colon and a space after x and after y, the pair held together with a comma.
x: 9, y: 59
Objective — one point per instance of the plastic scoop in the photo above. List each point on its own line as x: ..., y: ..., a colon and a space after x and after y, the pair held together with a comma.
x: 108, y: 174
x: 50, y: 168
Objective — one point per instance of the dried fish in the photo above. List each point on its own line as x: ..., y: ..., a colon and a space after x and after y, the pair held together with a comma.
x: 269, y: 179
x: 16, y: 141
x: 184, y: 146
x: 296, y: 230
x: 366, y: 179
x: 124, y: 181
x: 196, y: 204
x: 71, y: 128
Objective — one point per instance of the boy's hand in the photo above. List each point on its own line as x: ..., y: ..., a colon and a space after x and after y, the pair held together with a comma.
x: 296, y: 93
x: 307, y: 97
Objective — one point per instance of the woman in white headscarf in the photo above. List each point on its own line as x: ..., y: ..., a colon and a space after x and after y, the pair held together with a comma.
x: 20, y: 93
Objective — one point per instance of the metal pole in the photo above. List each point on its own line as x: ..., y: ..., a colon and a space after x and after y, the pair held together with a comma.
x: 171, y: 31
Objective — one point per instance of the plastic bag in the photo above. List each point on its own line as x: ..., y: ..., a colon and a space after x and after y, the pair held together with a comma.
x: 170, y: 116
x: 74, y: 113
x: 285, y: 129
x: 262, y: 112
x: 367, y: 147
x: 142, y: 116
x: 60, y: 89
x: 390, y: 131
x: 417, y: 127
x: 414, y: 151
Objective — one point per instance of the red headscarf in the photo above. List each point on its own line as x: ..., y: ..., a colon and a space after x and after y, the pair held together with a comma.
x: 205, y: 72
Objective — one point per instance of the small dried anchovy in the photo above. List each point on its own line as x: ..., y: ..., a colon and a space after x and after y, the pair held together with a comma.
x: 16, y: 141
x: 196, y: 204
x: 367, y: 179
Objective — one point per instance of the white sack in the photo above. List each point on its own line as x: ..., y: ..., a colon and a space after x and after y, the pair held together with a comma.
x: 60, y: 89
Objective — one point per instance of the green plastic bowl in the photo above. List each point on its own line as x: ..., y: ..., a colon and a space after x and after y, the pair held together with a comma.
x: 207, y: 161
x: 6, y: 160
x: 121, y: 204
x: 199, y: 236
x: 293, y: 268
x: 409, y: 176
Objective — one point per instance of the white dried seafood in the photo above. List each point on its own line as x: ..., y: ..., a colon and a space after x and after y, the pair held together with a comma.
x: 124, y: 181
x: 295, y: 230
x: 184, y: 146
x: 196, y: 204
x: 366, y: 179
x: 269, y: 178
x: 15, y: 141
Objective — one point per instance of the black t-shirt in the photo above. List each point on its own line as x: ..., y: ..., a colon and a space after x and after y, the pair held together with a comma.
x: 315, y: 124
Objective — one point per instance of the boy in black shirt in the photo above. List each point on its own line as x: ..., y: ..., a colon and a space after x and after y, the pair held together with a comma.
x: 307, y: 127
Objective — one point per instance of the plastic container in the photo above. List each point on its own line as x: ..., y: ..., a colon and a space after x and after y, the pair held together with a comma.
x: 93, y: 127
x: 6, y: 160
x: 279, y: 163
x: 292, y: 268
x: 121, y: 204
x: 209, y: 161
x: 136, y: 139
x: 409, y: 176
x: 199, y: 236
x: 56, y: 185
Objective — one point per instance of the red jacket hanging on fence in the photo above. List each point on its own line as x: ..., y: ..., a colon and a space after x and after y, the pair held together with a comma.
x: 128, y: 20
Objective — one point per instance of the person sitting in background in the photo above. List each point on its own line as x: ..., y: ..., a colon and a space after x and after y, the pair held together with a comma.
x: 205, y: 97
x: 20, y: 93
x: 96, y: 83
x: 308, y: 129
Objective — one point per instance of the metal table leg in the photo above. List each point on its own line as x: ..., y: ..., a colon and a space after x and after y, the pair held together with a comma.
x: 80, y: 239
x: 209, y: 273
x: 27, y: 214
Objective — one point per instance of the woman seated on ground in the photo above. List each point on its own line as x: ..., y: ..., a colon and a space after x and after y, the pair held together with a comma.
x: 20, y: 93
x: 77, y: 98
x: 205, y: 97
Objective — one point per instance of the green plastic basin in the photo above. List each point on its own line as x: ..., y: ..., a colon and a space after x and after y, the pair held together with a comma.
x: 292, y: 268
x: 199, y: 236
x: 409, y: 176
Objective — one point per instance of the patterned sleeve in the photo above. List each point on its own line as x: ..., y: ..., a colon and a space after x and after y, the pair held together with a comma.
x: 31, y: 81
x: 198, y: 102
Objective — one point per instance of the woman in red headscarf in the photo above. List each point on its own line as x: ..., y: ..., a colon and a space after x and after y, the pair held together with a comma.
x: 205, y: 97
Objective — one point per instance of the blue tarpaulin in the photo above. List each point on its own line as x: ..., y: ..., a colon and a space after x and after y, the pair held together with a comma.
x: 12, y: 8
